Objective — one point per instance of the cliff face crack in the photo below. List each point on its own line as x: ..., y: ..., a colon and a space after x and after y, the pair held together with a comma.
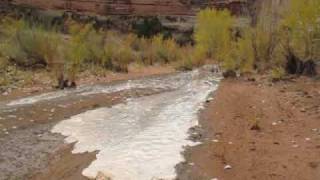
x: 143, y: 138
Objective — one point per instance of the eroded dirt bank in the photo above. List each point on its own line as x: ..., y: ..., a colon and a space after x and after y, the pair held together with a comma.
x: 285, y: 144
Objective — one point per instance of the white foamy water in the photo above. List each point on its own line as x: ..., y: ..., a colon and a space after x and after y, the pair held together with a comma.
x: 166, y: 82
x: 143, y: 138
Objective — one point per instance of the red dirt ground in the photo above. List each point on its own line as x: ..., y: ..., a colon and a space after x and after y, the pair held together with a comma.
x: 286, y: 147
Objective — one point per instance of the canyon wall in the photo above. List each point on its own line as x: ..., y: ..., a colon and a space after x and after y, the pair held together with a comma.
x: 134, y: 7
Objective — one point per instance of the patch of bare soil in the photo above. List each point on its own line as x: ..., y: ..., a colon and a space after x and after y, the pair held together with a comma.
x: 65, y: 165
x: 258, y: 131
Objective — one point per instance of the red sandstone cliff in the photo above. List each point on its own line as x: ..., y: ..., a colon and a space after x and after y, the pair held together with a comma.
x: 133, y: 7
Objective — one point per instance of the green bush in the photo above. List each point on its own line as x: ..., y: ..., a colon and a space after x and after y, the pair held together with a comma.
x: 10, y: 47
x: 302, y: 28
x: 277, y: 73
x: 28, y: 45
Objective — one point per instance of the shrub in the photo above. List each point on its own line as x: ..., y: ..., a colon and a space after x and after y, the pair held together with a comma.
x: 29, y: 45
x: 190, y: 58
x: 172, y: 50
x: 10, y: 46
x: 108, y: 54
x: 266, y: 35
x: 148, y: 27
x: 244, y: 52
x: 162, y: 50
x: 122, y: 58
x: 302, y: 27
x: 94, y: 42
x: 3, y: 71
x: 213, y: 32
x: 77, y: 50
x: 277, y: 73
x: 132, y: 41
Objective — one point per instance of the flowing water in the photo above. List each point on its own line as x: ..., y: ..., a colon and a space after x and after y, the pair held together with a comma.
x: 144, y: 137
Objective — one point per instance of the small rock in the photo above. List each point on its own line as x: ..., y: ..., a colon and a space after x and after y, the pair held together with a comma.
x: 214, y: 179
x: 295, y: 145
x: 12, y: 116
x: 303, y: 110
x: 102, y: 176
x: 215, y: 140
x: 195, y: 136
x: 31, y: 120
x: 274, y: 124
x: 255, y: 127
x: 5, y: 93
x: 309, y: 96
x: 230, y: 143
x: 62, y: 106
x: 307, y: 139
x: 314, y: 165
x: 14, y: 127
x: 226, y: 167
x: 191, y: 164
x: 52, y: 110
x: 209, y: 99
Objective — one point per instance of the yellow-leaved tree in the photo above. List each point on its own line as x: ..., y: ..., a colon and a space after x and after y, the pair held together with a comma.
x: 302, y: 25
x: 213, y: 36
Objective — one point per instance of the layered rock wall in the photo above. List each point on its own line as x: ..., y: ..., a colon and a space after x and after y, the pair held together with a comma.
x: 133, y: 7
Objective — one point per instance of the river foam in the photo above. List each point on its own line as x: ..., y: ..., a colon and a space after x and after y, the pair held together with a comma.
x: 143, y: 138
x: 163, y: 82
